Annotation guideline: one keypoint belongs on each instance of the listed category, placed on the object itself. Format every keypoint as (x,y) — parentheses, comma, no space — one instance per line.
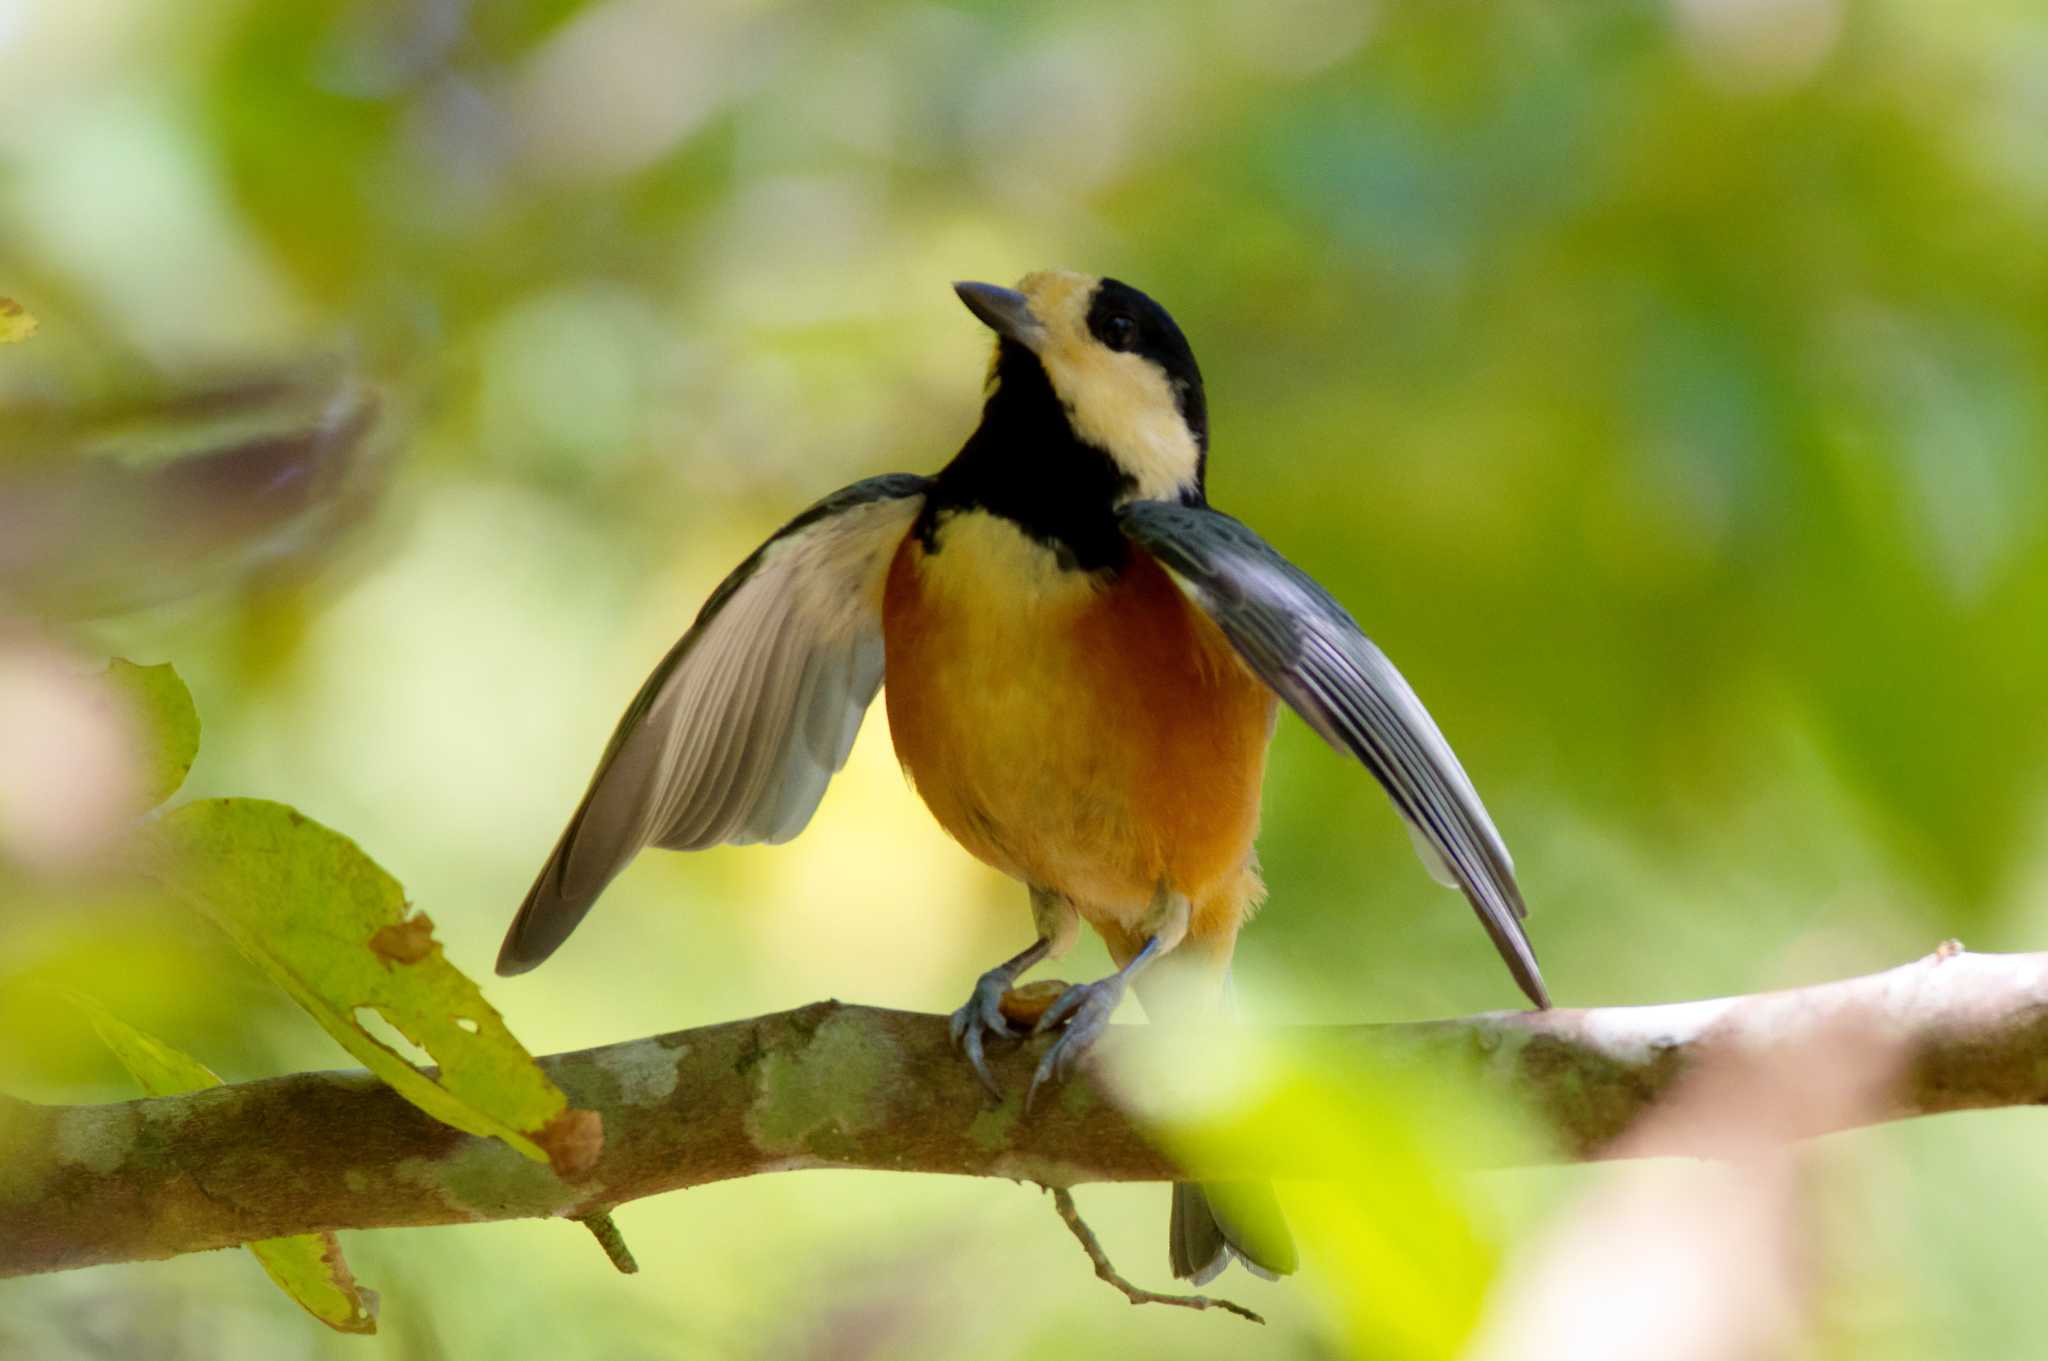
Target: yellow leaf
(333,929)
(15,322)
(309,1266)
(159,1068)
(311,1270)
(168,721)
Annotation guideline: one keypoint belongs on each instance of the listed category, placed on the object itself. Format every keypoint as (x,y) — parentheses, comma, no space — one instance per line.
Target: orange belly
(1097,739)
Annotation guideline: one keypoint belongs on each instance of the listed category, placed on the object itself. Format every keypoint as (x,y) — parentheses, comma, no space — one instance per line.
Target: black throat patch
(1024,463)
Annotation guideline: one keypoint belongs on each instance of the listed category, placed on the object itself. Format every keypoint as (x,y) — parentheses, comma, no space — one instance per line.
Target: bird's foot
(1086,1009)
(982,1017)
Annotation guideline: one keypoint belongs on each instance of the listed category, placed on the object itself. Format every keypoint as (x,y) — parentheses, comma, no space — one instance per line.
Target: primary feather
(736,734)
(1300,641)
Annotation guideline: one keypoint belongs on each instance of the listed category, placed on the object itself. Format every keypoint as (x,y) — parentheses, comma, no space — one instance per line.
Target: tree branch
(833,1085)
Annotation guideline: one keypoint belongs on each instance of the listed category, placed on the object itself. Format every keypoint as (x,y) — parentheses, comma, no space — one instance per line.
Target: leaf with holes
(332,928)
(308,1267)
(168,725)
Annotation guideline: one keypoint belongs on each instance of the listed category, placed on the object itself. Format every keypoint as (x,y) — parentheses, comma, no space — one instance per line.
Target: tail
(1216,1221)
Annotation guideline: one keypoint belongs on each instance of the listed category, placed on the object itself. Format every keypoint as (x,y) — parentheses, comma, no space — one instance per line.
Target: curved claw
(982,1015)
(1090,1006)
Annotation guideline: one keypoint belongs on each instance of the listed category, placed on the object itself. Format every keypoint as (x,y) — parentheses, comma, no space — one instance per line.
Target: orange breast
(1100,740)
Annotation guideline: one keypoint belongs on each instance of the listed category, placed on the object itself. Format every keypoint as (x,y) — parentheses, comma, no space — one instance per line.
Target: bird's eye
(1119,333)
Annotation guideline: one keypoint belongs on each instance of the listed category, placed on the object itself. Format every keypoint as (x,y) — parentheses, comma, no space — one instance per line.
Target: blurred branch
(832,1085)
(117,508)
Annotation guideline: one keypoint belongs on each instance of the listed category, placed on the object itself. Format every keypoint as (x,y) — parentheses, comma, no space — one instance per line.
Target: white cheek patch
(1120,403)
(1124,404)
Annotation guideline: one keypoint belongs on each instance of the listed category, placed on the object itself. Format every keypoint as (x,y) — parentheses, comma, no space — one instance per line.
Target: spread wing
(735,735)
(1301,642)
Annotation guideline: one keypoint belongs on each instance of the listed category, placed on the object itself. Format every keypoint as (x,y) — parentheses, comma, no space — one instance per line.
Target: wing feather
(1302,643)
(735,736)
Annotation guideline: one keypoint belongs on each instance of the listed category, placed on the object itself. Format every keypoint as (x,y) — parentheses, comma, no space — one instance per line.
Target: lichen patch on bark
(91,1139)
(646,1077)
(836,1086)
(485,1180)
(993,1127)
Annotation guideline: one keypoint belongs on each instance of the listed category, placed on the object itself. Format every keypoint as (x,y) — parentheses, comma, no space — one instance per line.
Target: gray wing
(1301,642)
(737,732)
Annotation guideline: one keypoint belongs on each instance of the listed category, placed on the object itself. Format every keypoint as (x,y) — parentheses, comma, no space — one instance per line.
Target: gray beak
(1003,310)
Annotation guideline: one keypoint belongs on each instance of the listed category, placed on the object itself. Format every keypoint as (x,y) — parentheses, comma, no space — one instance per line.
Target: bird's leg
(1086,1007)
(983,1013)
(1058,923)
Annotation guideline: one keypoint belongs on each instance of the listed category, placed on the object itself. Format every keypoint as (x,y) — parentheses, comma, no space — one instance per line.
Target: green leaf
(1393,1228)
(310,1269)
(309,1266)
(331,927)
(161,1069)
(169,722)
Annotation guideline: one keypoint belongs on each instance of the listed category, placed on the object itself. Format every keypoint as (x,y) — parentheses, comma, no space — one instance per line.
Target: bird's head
(1118,366)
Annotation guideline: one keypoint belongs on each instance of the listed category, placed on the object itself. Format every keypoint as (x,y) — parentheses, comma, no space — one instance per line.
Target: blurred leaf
(1392,1230)
(169,722)
(304,132)
(308,1267)
(331,927)
(16,322)
(1648,1261)
(118,941)
(161,1069)
(71,777)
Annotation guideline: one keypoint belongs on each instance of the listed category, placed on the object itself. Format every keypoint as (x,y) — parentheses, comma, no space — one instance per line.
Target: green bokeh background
(1661,384)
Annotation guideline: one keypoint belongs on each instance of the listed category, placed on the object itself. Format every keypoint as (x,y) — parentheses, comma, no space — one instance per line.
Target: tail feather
(1214,1222)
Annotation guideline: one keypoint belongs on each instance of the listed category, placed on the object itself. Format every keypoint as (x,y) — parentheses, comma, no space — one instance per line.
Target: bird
(1082,662)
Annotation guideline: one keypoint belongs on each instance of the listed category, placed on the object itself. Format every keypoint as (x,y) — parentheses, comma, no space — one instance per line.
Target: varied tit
(1082,660)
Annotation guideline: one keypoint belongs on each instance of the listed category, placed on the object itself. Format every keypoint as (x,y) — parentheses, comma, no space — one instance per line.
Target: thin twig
(1063,1201)
(599,1222)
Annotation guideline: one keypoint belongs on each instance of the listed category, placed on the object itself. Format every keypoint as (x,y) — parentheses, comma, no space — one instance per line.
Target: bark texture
(834,1085)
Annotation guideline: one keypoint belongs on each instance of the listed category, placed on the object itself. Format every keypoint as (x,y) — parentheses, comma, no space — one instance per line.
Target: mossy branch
(833,1085)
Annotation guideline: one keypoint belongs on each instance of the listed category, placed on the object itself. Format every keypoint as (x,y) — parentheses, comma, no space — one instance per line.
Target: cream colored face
(1120,402)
